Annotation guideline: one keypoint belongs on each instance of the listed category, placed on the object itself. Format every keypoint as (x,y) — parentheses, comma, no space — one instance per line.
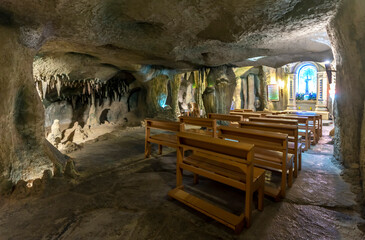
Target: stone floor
(121,195)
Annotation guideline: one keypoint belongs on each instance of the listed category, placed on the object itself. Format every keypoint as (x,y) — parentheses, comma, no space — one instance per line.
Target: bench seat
(271,156)
(199,131)
(291,145)
(168,139)
(269,148)
(162,139)
(221,168)
(227,162)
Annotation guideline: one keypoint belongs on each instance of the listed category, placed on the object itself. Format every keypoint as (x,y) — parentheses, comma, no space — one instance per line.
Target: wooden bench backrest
(246,115)
(274,120)
(278,112)
(242,110)
(267,112)
(290,130)
(225,117)
(202,122)
(235,151)
(301,120)
(309,116)
(163,125)
(263,139)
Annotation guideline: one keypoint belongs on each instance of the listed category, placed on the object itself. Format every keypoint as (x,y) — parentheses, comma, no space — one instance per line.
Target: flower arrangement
(302,96)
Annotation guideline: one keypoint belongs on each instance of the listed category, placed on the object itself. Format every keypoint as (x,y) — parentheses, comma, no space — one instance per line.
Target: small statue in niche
(257,103)
(194,109)
(183,107)
(55,136)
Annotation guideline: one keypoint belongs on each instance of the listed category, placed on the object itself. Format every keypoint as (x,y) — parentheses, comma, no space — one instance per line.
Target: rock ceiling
(177,34)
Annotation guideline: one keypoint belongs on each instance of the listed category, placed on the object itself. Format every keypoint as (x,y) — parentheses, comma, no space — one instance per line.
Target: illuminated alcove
(306,82)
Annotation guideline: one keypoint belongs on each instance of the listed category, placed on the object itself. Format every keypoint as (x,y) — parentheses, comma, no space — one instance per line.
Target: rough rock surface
(218,95)
(24,153)
(180,34)
(349,45)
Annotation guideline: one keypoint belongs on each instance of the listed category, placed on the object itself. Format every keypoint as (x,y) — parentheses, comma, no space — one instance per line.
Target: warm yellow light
(281,84)
(332,91)
(272,80)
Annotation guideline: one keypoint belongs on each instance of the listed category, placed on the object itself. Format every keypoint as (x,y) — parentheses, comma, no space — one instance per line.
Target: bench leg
(159,149)
(147,149)
(307,142)
(283,184)
(260,195)
(196,178)
(248,208)
(300,161)
(290,178)
(296,164)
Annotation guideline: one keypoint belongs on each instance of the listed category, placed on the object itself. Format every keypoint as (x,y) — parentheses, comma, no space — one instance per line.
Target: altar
(308,88)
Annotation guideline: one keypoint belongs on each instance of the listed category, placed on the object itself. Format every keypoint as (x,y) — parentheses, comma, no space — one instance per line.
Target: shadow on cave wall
(104,116)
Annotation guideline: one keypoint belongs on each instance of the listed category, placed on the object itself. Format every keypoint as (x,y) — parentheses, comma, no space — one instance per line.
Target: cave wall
(218,95)
(347,33)
(274,76)
(186,92)
(263,76)
(24,153)
(114,110)
(162,93)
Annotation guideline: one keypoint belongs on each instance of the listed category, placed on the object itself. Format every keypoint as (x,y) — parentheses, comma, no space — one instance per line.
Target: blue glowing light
(161,99)
(307,80)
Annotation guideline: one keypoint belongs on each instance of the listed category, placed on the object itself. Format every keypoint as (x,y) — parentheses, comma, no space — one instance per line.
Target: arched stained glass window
(307,82)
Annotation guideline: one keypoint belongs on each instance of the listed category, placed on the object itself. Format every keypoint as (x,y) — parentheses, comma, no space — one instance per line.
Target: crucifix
(306,84)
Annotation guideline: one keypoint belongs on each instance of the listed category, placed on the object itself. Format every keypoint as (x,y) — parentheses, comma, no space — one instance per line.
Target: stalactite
(44,89)
(58,86)
(113,89)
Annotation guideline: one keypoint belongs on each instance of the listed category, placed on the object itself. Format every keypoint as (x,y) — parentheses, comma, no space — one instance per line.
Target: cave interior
(85,84)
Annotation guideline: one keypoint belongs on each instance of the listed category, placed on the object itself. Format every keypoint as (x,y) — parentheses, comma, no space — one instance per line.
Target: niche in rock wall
(186,92)
(104,116)
(132,100)
(157,94)
(169,94)
(251,92)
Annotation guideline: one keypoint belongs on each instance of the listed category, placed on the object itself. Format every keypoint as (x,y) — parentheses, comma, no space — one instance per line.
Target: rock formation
(349,45)
(115,59)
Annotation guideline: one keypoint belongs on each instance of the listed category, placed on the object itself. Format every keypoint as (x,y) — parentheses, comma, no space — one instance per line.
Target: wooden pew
(271,152)
(232,119)
(317,121)
(285,126)
(162,139)
(230,163)
(303,124)
(209,124)
(245,116)
(274,120)
(242,110)
(263,113)
(278,112)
